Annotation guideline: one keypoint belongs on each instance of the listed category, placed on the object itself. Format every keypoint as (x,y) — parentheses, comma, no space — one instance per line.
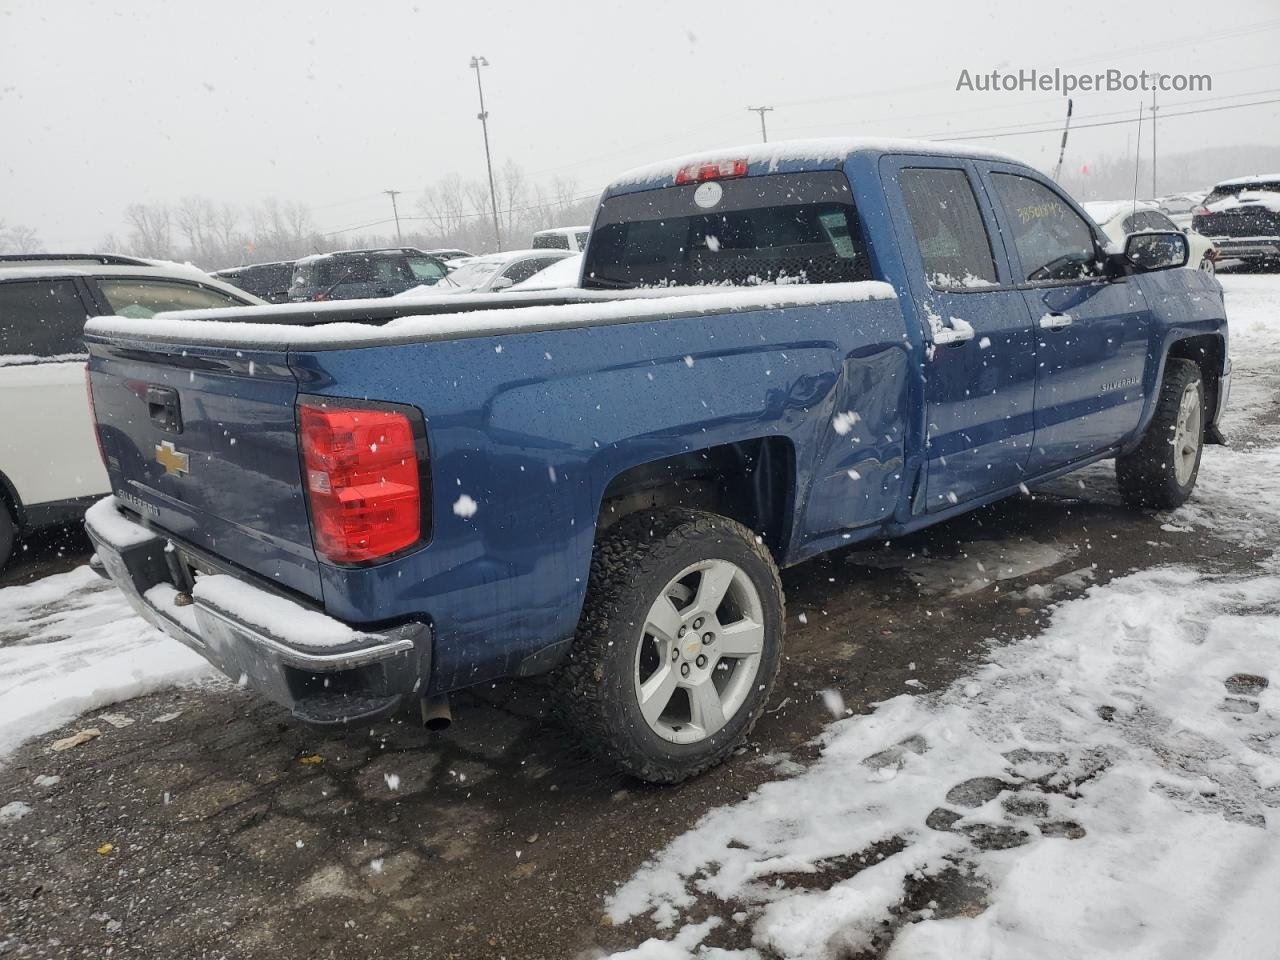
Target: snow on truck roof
(510,314)
(822,151)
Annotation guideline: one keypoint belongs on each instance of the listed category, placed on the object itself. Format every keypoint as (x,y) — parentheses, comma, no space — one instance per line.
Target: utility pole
(764,134)
(1154,192)
(483,117)
(395,210)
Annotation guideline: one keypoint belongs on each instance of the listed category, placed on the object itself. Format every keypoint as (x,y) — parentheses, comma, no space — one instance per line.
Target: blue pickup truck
(775,351)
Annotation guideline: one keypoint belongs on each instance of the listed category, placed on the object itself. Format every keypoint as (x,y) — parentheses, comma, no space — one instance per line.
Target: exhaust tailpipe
(436,714)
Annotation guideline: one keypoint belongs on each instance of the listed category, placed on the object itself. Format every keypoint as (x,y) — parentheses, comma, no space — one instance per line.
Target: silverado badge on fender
(175,462)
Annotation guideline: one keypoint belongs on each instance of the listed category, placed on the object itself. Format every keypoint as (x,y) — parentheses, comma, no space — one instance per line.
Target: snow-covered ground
(70,643)
(1114,780)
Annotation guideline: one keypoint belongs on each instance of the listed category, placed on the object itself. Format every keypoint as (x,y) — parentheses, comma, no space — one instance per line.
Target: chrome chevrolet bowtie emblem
(175,462)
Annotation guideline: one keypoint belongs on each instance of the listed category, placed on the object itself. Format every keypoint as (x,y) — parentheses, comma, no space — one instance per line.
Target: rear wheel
(678,645)
(1207,265)
(8,534)
(1162,471)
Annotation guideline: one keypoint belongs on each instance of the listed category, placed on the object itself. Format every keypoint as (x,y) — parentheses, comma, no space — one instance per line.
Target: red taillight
(1200,212)
(363,479)
(715,170)
(93,414)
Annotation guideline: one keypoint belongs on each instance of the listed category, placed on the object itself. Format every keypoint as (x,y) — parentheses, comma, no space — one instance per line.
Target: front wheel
(678,644)
(1162,471)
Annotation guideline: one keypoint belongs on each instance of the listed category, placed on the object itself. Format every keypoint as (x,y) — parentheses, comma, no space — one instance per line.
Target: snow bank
(71,643)
(198,326)
(1116,720)
(822,151)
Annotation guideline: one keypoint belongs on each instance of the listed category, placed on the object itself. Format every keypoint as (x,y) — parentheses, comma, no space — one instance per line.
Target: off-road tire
(8,534)
(1147,476)
(631,564)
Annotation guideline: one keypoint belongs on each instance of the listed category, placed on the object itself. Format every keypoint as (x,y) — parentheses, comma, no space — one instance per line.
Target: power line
(1105,123)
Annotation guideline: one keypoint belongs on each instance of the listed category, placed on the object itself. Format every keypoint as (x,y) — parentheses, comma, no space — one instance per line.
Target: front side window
(142,299)
(40,318)
(1053,242)
(782,228)
(954,244)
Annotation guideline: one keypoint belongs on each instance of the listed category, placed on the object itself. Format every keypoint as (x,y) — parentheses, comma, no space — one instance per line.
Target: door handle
(1055,321)
(958,332)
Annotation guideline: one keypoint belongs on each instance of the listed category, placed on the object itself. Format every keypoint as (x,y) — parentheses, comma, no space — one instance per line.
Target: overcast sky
(104,104)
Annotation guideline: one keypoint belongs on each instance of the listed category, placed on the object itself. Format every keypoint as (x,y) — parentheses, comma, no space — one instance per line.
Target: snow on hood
(822,151)
(1104,210)
(561,274)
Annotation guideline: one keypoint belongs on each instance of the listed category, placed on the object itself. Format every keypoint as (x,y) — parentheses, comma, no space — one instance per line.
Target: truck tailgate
(202,443)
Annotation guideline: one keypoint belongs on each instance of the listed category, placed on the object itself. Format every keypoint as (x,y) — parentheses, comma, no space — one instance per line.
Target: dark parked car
(1242,218)
(270,281)
(360,274)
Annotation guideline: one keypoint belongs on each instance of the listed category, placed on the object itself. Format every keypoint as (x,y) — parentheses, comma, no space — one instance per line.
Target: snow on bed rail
(201,326)
(822,150)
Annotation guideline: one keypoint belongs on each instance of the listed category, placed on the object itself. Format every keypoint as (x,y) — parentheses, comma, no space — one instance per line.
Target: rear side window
(551,241)
(427,268)
(1054,243)
(954,243)
(1150,220)
(393,268)
(41,318)
(142,299)
(784,228)
(524,269)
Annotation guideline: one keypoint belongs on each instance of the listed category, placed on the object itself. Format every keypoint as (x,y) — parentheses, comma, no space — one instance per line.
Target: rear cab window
(41,320)
(550,241)
(779,228)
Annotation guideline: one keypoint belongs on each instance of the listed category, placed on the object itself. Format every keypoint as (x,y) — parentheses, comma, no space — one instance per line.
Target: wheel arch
(1208,352)
(751,481)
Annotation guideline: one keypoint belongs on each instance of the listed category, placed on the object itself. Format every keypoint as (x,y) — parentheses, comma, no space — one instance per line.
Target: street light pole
(395,210)
(764,134)
(483,117)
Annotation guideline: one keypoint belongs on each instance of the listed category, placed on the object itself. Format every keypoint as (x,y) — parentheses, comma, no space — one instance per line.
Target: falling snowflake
(465,507)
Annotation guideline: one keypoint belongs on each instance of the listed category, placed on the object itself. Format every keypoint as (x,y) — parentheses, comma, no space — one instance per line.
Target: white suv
(50,469)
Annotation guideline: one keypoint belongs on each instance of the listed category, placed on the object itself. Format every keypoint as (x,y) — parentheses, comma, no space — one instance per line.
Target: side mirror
(502,283)
(1157,250)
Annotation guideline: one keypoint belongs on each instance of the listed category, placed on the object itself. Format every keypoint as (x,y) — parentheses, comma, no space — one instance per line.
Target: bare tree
(150,229)
(17,238)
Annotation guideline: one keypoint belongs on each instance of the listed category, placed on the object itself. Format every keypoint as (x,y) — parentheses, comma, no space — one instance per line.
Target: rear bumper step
(345,677)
